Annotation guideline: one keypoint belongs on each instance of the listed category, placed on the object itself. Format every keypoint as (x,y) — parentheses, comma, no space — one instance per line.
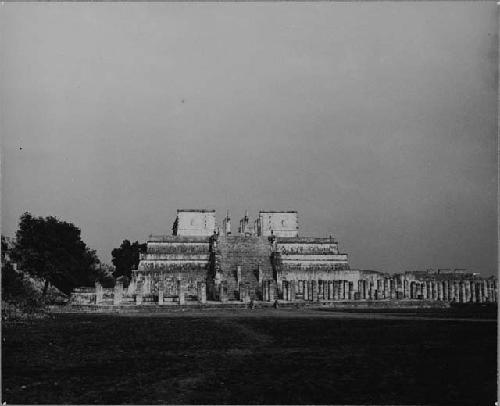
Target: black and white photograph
(249,202)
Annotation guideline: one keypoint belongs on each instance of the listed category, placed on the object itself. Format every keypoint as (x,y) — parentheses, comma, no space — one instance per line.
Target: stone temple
(267,260)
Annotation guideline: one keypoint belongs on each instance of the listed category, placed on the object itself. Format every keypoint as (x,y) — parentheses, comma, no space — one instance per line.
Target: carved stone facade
(269,261)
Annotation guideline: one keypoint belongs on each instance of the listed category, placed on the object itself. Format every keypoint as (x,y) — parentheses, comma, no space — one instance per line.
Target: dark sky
(376,121)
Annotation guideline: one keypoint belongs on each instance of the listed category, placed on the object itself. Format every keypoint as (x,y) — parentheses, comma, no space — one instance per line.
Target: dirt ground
(266,356)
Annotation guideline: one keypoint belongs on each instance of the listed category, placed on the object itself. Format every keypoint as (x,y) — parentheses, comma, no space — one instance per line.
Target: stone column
(473,291)
(463,294)
(392,288)
(370,290)
(118,293)
(424,290)
(238,273)
(456,285)
(271,291)
(346,290)
(293,290)
(467,291)
(161,289)
(202,292)
(484,291)
(406,288)
(99,293)
(445,290)
(314,285)
(138,292)
(451,285)
(180,292)
(360,289)
(439,290)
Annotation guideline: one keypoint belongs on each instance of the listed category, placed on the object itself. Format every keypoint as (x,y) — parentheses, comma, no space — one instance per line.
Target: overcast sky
(376,121)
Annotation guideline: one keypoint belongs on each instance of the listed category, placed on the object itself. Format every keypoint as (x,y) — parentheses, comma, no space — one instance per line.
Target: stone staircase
(248,253)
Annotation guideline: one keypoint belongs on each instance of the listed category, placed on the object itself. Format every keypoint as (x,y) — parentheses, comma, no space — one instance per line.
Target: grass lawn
(260,357)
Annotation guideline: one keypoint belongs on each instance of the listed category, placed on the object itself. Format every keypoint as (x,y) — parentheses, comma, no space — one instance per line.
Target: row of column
(463,291)
(201,292)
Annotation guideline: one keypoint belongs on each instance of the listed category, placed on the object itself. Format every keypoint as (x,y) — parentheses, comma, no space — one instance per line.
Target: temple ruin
(267,260)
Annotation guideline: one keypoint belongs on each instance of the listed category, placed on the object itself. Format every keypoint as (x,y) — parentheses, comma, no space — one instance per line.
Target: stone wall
(243,260)
(195,223)
(281,223)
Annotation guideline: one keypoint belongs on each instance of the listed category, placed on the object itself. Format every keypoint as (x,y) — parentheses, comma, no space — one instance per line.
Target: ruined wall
(171,265)
(243,260)
(281,223)
(310,253)
(195,223)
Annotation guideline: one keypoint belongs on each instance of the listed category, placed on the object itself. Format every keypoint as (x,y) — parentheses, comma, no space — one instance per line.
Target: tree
(126,258)
(52,250)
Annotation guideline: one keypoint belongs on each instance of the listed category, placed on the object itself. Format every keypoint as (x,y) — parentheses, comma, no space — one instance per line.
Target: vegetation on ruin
(126,258)
(47,252)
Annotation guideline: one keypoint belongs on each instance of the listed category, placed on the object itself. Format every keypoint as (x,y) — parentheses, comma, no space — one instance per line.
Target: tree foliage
(52,250)
(126,258)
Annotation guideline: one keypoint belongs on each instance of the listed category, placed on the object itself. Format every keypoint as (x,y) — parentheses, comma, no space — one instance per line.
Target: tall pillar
(161,292)
(351,290)
(238,273)
(293,290)
(473,292)
(371,293)
(138,292)
(424,290)
(180,291)
(406,288)
(202,292)
(314,286)
(439,290)
(118,293)
(467,291)
(480,292)
(462,292)
(335,290)
(456,284)
(392,288)
(99,293)
(483,291)
(346,290)
(451,286)
(309,290)
(445,290)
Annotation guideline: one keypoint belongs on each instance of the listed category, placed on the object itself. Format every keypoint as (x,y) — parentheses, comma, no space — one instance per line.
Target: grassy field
(259,357)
